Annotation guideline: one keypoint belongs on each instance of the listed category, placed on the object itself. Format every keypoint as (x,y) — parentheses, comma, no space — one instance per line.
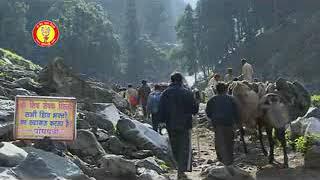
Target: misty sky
(192,2)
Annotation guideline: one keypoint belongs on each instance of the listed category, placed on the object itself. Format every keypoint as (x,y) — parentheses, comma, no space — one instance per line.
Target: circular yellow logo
(45,33)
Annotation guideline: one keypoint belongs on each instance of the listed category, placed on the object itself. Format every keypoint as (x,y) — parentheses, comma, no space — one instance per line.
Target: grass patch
(315,100)
(18,60)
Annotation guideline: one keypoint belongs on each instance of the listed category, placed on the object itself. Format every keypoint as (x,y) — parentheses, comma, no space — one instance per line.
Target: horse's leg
(243,141)
(271,143)
(281,135)
(261,140)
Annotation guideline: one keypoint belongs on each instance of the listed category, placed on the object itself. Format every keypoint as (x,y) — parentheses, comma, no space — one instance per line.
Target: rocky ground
(112,145)
(254,164)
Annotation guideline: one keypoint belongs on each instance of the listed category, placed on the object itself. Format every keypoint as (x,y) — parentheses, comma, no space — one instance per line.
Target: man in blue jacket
(177,105)
(222,110)
(153,106)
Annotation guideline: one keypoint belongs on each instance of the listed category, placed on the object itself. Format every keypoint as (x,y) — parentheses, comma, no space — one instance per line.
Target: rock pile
(109,144)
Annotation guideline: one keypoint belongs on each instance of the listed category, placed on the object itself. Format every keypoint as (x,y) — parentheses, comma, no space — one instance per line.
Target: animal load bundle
(275,113)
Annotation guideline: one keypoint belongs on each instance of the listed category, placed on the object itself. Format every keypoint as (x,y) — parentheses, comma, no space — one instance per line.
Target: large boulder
(98,120)
(115,166)
(144,138)
(11,155)
(225,173)
(312,158)
(27,83)
(109,110)
(116,146)
(34,168)
(62,167)
(86,145)
(307,125)
(20,91)
(57,78)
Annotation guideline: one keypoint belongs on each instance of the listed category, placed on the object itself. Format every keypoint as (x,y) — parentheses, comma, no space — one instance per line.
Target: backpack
(155,100)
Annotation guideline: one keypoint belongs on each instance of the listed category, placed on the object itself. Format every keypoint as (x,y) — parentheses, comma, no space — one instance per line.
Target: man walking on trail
(153,106)
(229,76)
(177,105)
(247,71)
(223,112)
(144,92)
(132,97)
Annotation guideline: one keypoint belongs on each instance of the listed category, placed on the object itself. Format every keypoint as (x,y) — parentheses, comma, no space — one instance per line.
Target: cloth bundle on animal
(275,111)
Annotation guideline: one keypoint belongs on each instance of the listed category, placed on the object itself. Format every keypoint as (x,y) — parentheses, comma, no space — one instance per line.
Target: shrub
(304,143)
(315,100)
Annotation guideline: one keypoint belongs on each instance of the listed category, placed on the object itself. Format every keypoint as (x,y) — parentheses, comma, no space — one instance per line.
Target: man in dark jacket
(223,112)
(143,94)
(177,105)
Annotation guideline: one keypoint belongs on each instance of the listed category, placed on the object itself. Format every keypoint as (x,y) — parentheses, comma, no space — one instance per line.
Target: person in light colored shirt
(229,76)
(247,71)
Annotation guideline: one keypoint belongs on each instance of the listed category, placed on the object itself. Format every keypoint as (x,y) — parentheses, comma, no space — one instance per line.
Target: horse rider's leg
(242,133)
(271,143)
(261,140)
(281,135)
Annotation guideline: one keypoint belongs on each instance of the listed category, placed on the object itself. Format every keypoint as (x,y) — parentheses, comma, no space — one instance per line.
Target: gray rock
(99,121)
(312,158)
(27,83)
(83,124)
(3,91)
(58,78)
(305,126)
(225,173)
(114,145)
(6,173)
(11,155)
(313,112)
(145,138)
(141,154)
(62,167)
(147,174)
(6,110)
(101,135)
(116,166)
(86,144)
(6,130)
(21,91)
(34,168)
(150,163)
(109,110)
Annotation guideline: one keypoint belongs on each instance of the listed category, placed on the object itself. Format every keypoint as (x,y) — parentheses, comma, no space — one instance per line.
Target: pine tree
(186,34)
(134,63)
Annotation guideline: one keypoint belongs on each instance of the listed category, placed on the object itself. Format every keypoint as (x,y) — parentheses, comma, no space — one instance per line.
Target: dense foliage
(278,37)
(108,39)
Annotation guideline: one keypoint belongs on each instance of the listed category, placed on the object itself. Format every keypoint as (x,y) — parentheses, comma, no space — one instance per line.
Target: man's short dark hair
(157,87)
(243,60)
(221,88)
(129,85)
(144,82)
(176,77)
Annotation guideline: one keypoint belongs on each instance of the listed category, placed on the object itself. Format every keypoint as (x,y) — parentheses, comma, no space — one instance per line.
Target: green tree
(13,34)
(186,34)
(134,62)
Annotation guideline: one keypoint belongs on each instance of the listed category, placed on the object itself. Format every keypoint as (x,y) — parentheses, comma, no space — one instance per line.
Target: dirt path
(255,162)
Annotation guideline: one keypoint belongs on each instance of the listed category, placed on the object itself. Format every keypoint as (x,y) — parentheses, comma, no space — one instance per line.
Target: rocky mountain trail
(113,144)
